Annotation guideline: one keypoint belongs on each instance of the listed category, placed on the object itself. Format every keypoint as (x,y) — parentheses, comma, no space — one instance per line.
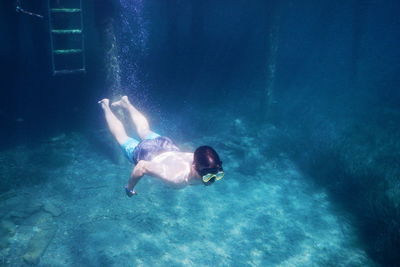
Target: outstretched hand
(130,193)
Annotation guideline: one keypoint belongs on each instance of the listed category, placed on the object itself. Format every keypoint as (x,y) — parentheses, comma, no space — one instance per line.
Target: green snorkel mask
(218,176)
(210,175)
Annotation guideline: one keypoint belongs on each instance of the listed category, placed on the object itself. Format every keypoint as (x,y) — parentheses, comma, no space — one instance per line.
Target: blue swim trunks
(148,148)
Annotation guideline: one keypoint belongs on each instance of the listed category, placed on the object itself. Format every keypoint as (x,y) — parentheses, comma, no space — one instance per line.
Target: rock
(7,195)
(239,127)
(21,212)
(52,209)
(38,219)
(38,244)
(3,241)
(58,138)
(7,227)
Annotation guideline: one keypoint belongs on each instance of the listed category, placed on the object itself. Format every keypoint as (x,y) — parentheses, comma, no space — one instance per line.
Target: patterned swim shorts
(148,148)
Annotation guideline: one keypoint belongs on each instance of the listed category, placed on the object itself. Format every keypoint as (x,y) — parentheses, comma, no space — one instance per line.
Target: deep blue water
(301,100)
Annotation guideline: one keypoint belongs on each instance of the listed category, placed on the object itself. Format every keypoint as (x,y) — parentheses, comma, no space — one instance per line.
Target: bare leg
(138,119)
(114,124)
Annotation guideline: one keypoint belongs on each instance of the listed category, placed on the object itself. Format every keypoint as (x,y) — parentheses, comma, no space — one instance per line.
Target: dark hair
(206,159)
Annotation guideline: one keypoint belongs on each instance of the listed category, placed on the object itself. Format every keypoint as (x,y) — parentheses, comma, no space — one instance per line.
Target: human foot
(123,102)
(104,103)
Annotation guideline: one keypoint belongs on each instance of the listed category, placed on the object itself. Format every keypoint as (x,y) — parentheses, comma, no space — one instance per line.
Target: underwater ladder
(66,38)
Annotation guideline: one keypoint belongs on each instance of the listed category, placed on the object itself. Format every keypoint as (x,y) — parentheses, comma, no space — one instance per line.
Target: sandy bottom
(266,216)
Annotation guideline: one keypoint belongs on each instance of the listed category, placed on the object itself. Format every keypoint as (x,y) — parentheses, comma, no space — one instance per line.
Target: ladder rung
(59,72)
(67,51)
(72,31)
(65,10)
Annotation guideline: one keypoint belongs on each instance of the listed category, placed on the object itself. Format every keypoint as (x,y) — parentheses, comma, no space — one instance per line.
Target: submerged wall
(338,101)
(38,105)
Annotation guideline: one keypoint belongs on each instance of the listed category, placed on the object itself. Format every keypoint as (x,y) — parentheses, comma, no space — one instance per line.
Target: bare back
(174,168)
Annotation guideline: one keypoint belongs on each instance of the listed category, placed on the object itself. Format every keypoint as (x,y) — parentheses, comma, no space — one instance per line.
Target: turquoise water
(269,215)
(299,98)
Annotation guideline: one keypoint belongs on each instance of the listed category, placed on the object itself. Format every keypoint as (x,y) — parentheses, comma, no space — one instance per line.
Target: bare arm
(136,174)
(142,167)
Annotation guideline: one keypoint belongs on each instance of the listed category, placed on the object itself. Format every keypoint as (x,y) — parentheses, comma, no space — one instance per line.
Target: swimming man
(157,155)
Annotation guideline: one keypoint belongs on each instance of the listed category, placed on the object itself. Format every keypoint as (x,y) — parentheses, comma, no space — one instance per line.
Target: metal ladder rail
(82,39)
(51,36)
(66,31)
